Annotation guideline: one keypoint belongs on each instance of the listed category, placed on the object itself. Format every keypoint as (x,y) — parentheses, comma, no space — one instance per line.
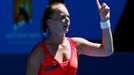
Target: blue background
(16,45)
(84,23)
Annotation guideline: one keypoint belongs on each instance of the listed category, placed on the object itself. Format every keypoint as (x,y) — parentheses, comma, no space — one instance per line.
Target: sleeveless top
(51,66)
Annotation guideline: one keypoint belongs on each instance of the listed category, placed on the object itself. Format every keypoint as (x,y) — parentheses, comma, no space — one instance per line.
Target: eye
(68,16)
(63,17)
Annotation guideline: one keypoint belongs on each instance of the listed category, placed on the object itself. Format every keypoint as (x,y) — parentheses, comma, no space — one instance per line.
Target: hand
(104,11)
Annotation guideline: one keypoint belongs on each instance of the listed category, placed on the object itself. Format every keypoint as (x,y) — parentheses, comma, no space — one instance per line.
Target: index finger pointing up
(98,4)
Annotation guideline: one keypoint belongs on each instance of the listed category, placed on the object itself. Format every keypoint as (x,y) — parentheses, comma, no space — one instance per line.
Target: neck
(56,39)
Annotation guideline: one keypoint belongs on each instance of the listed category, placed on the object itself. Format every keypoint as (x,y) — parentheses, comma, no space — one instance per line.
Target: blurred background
(20,31)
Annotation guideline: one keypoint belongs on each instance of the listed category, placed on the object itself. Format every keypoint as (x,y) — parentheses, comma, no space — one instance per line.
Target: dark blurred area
(51,1)
(117,64)
(123,35)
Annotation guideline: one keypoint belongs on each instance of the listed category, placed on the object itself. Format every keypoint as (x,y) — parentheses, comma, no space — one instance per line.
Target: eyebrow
(68,15)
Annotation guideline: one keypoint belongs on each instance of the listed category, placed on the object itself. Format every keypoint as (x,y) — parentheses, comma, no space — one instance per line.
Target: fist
(104,11)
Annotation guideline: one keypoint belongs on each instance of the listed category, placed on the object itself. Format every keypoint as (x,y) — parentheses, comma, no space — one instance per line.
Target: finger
(105,9)
(98,4)
(104,5)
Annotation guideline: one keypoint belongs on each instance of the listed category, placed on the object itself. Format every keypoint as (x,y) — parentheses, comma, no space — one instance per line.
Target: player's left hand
(104,11)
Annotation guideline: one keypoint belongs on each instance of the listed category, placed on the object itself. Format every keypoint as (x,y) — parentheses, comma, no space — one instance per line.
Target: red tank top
(51,66)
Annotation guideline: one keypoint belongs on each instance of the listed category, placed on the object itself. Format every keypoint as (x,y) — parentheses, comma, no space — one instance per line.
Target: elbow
(109,52)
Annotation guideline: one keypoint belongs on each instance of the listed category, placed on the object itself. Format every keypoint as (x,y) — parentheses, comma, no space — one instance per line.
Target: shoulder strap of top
(72,42)
(73,45)
(44,48)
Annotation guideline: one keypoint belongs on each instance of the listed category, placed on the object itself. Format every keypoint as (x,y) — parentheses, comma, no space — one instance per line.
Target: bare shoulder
(37,54)
(77,39)
(34,60)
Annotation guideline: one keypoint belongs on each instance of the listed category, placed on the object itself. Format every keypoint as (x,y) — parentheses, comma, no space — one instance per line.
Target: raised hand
(104,11)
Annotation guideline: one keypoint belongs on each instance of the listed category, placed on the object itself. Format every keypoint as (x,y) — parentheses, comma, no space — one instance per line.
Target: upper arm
(34,60)
(89,48)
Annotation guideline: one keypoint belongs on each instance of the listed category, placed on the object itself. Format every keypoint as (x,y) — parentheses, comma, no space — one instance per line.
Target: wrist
(105,24)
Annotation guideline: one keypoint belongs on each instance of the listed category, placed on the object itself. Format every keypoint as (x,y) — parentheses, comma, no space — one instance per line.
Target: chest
(60,53)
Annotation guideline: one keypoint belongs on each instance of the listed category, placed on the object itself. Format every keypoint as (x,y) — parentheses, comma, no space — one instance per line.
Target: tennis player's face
(60,19)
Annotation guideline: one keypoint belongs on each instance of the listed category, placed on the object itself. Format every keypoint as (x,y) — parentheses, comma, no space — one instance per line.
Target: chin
(66,31)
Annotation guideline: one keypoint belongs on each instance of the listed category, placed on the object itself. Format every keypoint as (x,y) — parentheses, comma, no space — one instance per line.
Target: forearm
(107,40)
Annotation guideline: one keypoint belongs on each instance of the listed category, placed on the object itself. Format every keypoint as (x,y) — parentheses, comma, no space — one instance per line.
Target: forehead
(60,9)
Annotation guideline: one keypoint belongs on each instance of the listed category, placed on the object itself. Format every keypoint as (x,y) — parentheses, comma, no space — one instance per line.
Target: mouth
(66,26)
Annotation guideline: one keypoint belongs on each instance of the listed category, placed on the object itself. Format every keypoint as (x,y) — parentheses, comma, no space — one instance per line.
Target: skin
(59,46)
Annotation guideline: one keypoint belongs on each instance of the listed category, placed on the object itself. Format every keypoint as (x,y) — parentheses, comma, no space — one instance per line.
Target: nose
(67,20)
